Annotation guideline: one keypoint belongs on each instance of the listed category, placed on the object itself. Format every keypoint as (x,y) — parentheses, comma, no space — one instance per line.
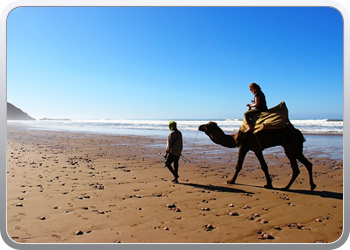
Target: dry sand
(65,187)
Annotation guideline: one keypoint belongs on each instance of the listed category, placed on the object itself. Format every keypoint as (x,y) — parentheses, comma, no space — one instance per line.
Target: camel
(290,138)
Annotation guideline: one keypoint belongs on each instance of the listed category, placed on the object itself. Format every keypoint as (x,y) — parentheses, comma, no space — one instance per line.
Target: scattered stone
(42,218)
(176,209)
(205,208)
(263,221)
(295,225)
(19,205)
(233,214)
(79,233)
(170,205)
(264,236)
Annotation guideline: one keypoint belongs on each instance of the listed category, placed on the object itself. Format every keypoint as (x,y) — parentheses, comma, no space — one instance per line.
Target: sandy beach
(65,187)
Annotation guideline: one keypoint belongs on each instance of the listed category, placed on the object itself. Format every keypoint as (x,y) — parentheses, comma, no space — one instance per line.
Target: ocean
(322,135)
(307,126)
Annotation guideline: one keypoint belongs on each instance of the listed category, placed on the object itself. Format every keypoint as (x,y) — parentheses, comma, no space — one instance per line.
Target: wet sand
(65,187)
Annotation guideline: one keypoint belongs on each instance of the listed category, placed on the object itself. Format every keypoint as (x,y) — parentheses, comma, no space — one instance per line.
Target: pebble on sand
(79,233)
(209,227)
(295,225)
(264,236)
(263,221)
(233,213)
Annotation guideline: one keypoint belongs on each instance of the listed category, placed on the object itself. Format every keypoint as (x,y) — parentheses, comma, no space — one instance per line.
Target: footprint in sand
(19,216)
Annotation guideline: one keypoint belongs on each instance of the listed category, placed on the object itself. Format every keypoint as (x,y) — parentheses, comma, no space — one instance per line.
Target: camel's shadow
(216,188)
(323,194)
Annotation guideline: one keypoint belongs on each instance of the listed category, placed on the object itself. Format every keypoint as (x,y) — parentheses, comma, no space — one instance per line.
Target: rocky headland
(14,113)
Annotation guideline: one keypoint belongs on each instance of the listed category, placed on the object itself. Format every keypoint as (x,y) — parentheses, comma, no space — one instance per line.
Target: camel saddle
(274,118)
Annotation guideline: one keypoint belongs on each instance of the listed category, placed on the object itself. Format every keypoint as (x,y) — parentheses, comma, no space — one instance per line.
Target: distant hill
(14,113)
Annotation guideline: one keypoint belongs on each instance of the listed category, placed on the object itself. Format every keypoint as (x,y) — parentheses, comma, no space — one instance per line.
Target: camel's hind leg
(293,161)
(308,166)
(264,168)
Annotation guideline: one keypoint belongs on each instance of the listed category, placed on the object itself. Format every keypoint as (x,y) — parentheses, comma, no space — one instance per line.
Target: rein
(183,157)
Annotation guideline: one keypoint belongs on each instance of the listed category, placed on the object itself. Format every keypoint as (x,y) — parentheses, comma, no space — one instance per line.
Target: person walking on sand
(173,150)
(259,104)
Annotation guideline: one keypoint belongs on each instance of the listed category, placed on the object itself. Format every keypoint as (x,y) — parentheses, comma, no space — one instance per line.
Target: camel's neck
(219,137)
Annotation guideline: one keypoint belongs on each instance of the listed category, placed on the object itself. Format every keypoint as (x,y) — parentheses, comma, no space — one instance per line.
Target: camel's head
(207,127)
(218,136)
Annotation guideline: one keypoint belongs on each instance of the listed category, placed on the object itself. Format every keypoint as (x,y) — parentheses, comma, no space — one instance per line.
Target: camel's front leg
(241,155)
(264,168)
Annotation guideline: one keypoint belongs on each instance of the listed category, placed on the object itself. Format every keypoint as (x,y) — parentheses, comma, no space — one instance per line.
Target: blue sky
(173,62)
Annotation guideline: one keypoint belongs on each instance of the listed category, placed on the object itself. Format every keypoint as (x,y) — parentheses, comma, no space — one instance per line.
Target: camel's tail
(300,134)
